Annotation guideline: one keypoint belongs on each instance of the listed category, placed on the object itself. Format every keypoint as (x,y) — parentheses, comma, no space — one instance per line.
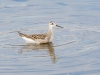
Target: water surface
(75,49)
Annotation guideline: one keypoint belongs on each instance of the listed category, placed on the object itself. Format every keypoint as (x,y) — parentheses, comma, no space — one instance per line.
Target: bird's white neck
(50,32)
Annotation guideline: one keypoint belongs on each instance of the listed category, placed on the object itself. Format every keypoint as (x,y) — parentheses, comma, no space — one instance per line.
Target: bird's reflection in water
(48,47)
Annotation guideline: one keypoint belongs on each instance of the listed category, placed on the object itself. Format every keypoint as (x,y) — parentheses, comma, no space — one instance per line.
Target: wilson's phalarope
(40,38)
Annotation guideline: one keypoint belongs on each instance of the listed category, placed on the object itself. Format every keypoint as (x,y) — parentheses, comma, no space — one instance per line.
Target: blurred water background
(75,49)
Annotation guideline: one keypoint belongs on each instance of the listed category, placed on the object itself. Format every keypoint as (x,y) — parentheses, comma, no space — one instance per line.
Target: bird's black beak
(59,26)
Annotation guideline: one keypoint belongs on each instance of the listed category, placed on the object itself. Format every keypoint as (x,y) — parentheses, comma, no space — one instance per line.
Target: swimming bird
(40,38)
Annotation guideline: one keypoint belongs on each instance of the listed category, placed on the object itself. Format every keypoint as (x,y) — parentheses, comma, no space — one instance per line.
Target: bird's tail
(20,34)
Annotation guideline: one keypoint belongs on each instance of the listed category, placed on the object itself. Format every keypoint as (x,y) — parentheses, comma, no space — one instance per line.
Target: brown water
(75,49)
